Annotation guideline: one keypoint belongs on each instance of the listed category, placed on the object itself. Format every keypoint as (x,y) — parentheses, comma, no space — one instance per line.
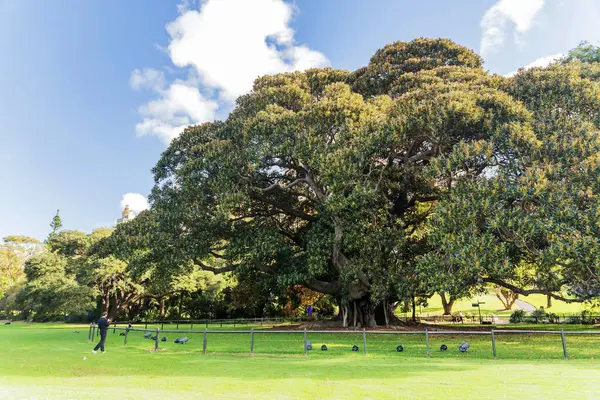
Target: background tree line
(372,189)
(77,275)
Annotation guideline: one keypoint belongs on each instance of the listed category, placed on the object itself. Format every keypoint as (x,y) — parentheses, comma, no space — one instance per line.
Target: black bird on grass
(443,347)
(463,348)
(324,347)
(399,348)
(355,348)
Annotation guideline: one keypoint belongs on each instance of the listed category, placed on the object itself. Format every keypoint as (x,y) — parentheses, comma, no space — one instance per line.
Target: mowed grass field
(492,305)
(52,362)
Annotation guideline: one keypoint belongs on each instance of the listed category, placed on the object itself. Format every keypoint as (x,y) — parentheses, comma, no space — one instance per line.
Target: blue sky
(91,92)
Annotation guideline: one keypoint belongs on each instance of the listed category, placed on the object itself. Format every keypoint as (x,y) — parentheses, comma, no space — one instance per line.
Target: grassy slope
(558,307)
(48,362)
(494,306)
(491,306)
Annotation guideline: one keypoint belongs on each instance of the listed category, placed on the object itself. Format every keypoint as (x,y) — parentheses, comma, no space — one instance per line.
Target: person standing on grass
(103,325)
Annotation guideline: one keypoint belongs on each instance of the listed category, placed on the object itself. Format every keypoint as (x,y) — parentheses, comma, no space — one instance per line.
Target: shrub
(517,316)
(539,316)
(587,318)
(553,318)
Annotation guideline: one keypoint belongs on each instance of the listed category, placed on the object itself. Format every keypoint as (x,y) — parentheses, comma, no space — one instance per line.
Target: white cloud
(495,21)
(540,62)
(226,44)
(136,202)
(232,42)
(147,78)
(179,106)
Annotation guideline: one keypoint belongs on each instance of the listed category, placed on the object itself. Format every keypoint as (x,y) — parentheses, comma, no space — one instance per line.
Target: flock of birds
(148,335)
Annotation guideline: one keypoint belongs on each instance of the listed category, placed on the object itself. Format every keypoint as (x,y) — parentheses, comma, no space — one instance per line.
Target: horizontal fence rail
(206,322)
(484,319)
(426,333)
(349,331)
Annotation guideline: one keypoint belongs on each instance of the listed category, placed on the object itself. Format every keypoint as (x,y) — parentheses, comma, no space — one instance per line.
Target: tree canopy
(328,178)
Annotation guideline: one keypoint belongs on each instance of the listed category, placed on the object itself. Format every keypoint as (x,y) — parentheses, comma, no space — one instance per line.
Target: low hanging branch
(321,286)
(527,292)
(277,187)
(215,270)
(284,207)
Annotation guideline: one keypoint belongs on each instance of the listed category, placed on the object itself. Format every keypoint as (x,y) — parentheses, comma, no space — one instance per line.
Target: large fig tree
(327,178)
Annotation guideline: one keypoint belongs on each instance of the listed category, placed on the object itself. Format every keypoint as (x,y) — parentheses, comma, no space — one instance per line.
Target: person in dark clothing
(103,325)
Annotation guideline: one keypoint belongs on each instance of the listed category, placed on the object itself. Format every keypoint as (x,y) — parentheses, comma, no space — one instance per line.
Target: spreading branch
(278,187)
(322,287)
(527,292)
(285,208)
(215,270)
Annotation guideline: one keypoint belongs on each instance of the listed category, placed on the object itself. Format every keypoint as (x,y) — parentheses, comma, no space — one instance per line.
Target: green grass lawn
(558,307)
(494,306)
(50,361)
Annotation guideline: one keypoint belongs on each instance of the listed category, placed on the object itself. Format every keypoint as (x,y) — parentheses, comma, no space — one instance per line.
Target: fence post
(305,350)
(427,341)
(252,341)
(162,326)
(192,326)
(146,327)
(156,341)
(126,333)
(494,343)
(204,343)
(364,342)
(90,332)
(114,327)
(564,344)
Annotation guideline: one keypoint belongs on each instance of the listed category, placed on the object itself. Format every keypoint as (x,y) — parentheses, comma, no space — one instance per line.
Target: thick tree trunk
(345,315)
(447,304)
(362,314)
(548,301)
(385,312)
(162,308)
(115,308)
(107,301)
(180,301)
